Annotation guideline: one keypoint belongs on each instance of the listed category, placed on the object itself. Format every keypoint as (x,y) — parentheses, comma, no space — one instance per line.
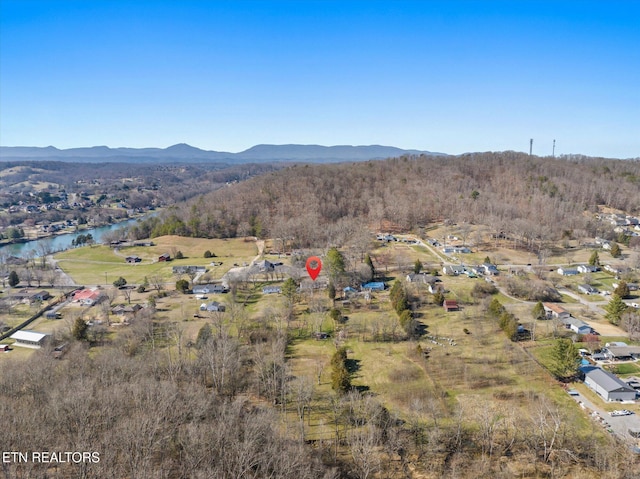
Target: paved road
(618,425)
(63,279)
(592,305)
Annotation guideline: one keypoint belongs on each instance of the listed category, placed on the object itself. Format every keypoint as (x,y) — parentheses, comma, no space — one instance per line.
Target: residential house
(133,259)
(87,297)
(386,237)
(587,289)
(587,268)
(436,288)
(490,269)
(607,385)
(41,296)
(450,305)
(266,266)
(567,271)
(126,312)
(576,325)
(188,269)
(555,311)
(29,339)
(213,306)
(622,353)
(616,269)
(453,270)
(164,257)
(421,278)
(209,289)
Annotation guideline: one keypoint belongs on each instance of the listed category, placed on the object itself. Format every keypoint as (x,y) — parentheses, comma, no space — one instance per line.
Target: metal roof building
(607,385)
(29,339)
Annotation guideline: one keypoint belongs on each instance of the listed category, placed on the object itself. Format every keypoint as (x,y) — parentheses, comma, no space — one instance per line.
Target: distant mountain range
(183,153)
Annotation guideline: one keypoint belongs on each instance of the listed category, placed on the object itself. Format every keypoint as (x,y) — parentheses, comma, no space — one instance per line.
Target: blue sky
(450,76)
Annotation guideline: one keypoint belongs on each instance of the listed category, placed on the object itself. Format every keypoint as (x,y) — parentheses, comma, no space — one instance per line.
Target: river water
(63,241)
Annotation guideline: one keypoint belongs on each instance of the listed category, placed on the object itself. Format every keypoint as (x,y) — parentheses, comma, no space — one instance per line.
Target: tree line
(513,194)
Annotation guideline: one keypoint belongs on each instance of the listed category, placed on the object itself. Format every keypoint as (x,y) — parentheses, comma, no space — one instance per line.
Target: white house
(453,270)
(587,268)
(490,269)
(576,325)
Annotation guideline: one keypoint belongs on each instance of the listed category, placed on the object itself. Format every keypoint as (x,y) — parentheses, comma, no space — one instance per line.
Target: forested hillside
(532,199)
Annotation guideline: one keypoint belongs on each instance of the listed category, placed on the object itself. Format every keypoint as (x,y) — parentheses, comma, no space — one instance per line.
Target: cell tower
(530,146)
(554,149)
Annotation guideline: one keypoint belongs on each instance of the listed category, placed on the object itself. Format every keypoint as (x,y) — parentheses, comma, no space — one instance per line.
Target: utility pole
(554,149)
(530,146)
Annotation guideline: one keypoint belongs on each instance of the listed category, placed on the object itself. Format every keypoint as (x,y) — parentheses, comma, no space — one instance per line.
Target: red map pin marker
(314,265)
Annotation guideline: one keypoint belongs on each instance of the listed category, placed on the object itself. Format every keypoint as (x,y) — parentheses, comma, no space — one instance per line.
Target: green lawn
(101,265)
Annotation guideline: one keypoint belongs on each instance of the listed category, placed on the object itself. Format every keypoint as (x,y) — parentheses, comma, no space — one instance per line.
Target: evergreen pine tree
(614,309)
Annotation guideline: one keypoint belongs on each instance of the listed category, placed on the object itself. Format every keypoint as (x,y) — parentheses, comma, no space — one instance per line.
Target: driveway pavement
(617,425)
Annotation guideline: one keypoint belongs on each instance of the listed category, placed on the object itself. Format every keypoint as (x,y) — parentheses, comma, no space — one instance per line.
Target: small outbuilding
(450,305)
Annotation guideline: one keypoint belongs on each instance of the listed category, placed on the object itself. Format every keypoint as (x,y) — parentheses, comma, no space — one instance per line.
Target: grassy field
(93,265)
(461,369)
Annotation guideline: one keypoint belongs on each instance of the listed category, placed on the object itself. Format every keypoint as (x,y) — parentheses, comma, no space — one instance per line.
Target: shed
(450,305)
(29,339)
(164,257)
(607,385)
(4,347)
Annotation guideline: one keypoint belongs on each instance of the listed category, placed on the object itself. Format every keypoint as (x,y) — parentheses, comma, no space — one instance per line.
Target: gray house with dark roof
(576,325)
(607,385)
